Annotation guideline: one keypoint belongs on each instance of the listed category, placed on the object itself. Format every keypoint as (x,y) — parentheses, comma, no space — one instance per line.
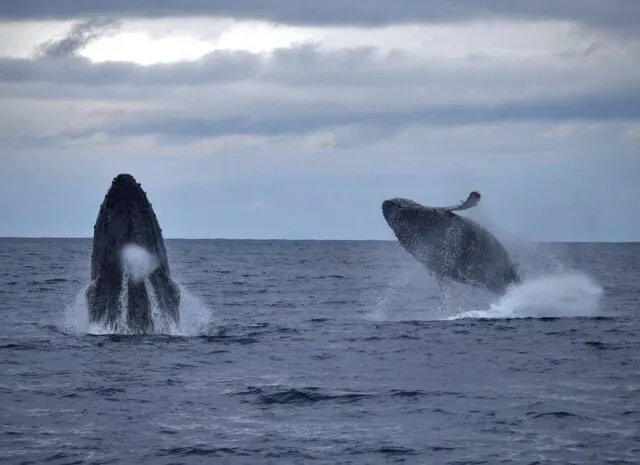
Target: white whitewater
(559,294)
(564,294)
(138,264)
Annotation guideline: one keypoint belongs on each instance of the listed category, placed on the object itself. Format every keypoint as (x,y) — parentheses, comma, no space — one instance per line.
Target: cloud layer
(621,15)
(307,88)
(535,104)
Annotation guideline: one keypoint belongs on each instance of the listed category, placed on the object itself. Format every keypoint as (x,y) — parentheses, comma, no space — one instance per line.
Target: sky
(272,119)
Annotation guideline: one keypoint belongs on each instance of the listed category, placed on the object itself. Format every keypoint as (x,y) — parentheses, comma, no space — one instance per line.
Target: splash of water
(138,264)
(195,317)
(558,294)
(568,294)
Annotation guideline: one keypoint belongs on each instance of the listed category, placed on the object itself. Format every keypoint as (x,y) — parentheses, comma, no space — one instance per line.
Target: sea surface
(325,352)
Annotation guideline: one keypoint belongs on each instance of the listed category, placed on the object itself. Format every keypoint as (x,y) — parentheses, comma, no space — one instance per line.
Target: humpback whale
(117,296)
(449,245)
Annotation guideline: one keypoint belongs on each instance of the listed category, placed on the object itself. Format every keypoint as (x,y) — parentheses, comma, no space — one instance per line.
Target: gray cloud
(307,65)
(622,15)
(619,105)
(303,89)
(217,67)
(349,126)
(81,35)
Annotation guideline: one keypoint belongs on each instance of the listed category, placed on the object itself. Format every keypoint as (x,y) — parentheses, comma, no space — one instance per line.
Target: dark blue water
(325,352)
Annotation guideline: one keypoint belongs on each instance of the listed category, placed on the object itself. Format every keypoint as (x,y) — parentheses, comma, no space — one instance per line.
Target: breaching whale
(119,296)
(449,245)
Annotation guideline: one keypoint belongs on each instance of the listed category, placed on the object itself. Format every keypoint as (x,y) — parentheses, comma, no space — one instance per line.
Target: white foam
(565,294)
(76,316)
(195,317)
(558,294)
(138,264)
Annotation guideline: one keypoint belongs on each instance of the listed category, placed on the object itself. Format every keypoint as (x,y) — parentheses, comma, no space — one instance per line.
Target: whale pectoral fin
(90,291)
(167,293)
(100,304)
(102,296)
(95,304)
(472,201)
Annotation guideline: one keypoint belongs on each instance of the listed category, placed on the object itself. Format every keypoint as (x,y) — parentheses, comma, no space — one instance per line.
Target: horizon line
(560,241)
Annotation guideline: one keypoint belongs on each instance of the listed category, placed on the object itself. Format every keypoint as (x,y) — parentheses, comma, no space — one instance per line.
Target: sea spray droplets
(123,303)
(138,264)
(76,315)
(560,294)
(161,322)
(555,295)
(569,294)
(195,317)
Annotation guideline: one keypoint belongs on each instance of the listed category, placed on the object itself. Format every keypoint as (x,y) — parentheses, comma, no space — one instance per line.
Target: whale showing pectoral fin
(97,307)
(472,201)
(102,300)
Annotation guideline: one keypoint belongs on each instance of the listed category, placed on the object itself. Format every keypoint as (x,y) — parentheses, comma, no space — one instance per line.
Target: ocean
(325,352)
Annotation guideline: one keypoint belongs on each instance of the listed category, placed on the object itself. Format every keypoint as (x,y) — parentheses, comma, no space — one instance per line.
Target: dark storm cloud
(81,35)
(611,14)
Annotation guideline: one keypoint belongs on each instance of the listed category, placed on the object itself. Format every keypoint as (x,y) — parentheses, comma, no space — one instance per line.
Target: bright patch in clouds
(139,48)
(149,42)
(144,44)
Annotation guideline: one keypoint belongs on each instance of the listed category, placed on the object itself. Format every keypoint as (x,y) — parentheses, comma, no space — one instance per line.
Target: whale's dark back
(450,245)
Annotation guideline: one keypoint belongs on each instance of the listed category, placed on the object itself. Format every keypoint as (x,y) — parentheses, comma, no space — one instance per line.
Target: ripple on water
(288,365)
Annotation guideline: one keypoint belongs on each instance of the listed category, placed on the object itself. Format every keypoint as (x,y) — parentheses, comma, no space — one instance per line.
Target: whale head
(125,217)
(391,207)
(402,214)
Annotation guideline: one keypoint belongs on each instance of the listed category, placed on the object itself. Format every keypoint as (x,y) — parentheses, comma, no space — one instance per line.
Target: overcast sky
(254,119)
